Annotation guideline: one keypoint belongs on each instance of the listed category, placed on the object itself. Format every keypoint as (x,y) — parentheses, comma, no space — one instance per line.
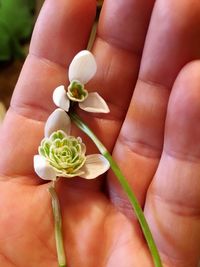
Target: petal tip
(43,169)
(60,98)
(95,166)
(58,120)
(83,67)
(94,103)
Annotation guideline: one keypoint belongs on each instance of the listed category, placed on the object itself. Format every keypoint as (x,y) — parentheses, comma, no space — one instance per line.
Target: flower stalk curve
(61,155)
(125,185)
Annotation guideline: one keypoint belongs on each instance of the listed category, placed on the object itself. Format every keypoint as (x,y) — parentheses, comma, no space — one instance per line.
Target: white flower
(63,155)
(82,68)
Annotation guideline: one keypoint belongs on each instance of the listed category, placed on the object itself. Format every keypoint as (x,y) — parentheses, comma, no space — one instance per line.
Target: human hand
(157,147)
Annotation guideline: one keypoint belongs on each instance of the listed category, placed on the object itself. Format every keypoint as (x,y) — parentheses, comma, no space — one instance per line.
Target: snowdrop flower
(82,68)
(63,155)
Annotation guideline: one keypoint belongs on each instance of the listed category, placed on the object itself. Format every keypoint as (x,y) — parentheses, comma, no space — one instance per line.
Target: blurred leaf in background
(99,3)
(16,23)
(2,112)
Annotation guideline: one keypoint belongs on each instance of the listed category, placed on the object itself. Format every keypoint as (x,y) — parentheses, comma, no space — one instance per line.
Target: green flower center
(76,91)
(65,153)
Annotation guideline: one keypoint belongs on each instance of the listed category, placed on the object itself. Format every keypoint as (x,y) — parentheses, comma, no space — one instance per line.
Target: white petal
(60,98)
(43,169)
(83,67)
(94,166)
(94,103)
(58,120)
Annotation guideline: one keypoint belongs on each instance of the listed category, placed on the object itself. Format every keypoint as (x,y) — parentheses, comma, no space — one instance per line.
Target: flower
(82,68)
(63,155)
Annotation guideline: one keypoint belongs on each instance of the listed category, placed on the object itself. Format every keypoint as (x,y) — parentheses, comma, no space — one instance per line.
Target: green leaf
(16,23)
(5,45)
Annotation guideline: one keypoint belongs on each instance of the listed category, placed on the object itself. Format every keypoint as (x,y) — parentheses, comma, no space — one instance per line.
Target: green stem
(58,227)
(125,185)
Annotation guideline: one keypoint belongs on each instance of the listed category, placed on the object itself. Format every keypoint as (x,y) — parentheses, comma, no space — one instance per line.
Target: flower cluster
(60,153)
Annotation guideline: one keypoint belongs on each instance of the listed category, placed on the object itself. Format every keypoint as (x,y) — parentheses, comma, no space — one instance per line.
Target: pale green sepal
(76,92)
(64,153)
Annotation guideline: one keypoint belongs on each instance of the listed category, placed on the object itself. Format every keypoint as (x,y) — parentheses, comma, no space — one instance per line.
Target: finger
(118,52)
(54,43)
(172,206)
(167,48)
(62,29)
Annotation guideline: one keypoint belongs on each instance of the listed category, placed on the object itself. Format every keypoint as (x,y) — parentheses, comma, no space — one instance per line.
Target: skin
(148,72)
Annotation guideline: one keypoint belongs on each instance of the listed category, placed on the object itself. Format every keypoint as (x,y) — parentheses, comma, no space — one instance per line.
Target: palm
(92,229)
(101,230)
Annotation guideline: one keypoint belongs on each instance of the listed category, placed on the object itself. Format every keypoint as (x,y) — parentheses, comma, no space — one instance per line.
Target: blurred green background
(17,18)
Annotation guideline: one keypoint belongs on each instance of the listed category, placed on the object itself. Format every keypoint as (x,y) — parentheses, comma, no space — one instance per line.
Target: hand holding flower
(163,169)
